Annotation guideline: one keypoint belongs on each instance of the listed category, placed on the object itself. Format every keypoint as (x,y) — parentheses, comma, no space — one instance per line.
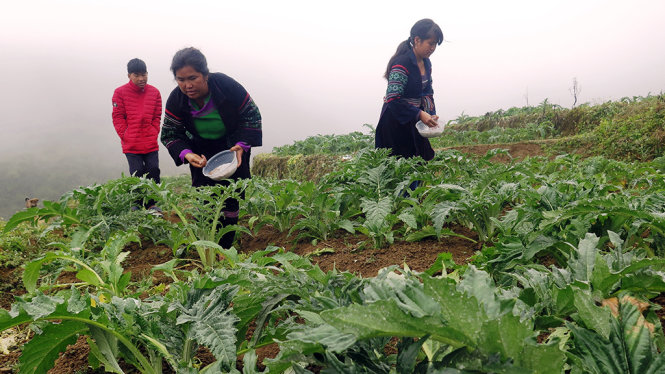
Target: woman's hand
(196,160)
(239,151)
(428,119)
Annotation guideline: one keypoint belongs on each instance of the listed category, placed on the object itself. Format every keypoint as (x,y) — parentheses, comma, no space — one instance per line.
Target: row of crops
(627,129)
(570,266)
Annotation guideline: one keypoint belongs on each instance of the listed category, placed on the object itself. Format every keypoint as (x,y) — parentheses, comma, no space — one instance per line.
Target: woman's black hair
(424,29)
(190,57)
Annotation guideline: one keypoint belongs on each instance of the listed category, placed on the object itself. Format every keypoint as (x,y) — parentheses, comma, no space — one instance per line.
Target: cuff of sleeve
(183,154)
(245,147)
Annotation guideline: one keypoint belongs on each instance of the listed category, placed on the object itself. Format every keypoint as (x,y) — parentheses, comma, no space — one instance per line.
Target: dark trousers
(144,165)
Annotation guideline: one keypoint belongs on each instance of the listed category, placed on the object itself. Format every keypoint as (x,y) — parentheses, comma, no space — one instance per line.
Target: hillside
(545,242)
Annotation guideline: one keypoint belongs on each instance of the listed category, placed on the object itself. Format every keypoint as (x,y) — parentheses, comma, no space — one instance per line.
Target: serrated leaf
(441,213)
(376,211)
(96,359)
(249,362)
(453,302)
(629,348)
(583,263)
(409,219)
(213,325)
(505,335)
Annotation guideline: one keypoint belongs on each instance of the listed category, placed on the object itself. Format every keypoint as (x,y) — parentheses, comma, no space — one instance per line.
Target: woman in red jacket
(137,113)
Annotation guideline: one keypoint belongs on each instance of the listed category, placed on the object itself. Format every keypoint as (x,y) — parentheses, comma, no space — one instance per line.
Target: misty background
(313,67)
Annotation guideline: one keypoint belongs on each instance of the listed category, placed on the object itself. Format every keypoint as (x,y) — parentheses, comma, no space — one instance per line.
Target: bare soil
(344,252)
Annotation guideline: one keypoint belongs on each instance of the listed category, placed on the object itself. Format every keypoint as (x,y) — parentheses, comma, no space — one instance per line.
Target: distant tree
(575,91)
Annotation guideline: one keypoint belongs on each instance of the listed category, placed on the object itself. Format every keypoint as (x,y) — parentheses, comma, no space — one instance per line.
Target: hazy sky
(315,67)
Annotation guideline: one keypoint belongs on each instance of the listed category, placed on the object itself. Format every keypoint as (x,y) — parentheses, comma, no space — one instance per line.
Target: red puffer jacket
(137,113)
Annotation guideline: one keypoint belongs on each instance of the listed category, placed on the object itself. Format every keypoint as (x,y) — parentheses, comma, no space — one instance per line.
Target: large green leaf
(585,259)
(326,335)
(406,291)
(542,358)
(629,349)
(31,274)
(478,284)
(40,353)
(505,335)
(595,318)
(458,310)
(386,318)
(598,355)
(31,214)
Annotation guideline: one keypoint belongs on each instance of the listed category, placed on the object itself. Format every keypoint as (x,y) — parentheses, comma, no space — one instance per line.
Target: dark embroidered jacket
(240,114)
(405,97)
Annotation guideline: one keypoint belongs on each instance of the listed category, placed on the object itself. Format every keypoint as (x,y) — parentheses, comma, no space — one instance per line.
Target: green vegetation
(628,129)
(600,220)
(571,261)
(328,144)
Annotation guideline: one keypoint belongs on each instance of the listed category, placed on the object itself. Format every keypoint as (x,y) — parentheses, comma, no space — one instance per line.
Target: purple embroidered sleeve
(245,147)
(184,153)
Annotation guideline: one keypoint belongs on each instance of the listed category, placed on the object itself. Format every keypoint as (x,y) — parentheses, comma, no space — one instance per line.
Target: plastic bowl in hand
(429,132)
(221,166)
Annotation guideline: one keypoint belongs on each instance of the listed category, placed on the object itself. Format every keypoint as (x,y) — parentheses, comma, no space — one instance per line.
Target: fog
(312,67)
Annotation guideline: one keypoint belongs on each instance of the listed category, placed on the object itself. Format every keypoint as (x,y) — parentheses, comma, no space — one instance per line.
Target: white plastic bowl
(221,166)
(430,132)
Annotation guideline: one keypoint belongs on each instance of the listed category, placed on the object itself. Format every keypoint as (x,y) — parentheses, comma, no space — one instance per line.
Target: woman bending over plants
(206,114)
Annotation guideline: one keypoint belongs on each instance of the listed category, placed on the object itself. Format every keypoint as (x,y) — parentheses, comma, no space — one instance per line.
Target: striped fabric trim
(172,115)
(250,117)
(428,104)
(413,101)
(397,80)
(400,67)
(244,102)
(169,129)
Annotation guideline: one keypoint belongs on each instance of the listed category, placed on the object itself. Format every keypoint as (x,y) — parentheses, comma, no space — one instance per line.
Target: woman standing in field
(206,114)
(409,96)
